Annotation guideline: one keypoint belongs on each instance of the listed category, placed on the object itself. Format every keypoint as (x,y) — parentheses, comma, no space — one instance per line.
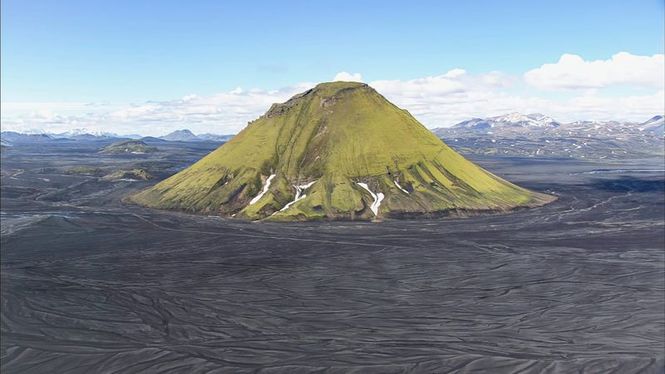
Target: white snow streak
(299,190)
(265,189)
(400,187)
(377,198)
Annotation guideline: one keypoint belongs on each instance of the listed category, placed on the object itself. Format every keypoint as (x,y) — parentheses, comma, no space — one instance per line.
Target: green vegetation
(128,146)
(135,174)
(335,135)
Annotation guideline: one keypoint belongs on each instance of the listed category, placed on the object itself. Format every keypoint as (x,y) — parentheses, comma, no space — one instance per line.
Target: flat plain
(91,284)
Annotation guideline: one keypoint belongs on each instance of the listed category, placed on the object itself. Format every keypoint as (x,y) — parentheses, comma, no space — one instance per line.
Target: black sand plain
(91,285)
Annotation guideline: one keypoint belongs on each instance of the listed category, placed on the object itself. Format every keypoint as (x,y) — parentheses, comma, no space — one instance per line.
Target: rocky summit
(337,151)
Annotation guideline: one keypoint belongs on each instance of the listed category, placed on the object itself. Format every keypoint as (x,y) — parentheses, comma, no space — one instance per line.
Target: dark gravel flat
(90,285)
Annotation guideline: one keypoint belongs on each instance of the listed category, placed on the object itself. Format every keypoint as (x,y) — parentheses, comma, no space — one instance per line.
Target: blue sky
(120,53)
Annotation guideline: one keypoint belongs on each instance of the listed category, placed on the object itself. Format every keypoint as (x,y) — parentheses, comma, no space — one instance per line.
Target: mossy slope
(336,135)
(128,146)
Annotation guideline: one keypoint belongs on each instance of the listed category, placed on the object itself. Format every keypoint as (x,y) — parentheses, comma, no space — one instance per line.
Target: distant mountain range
(13,137)
(535,134)
(516,123)
(511,121)
(85,134)
(514,134)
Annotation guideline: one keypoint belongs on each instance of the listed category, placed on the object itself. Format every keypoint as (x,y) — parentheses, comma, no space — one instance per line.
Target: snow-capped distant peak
(79,131)
(513,124)
(515,121)
(654,124)
(512,117)
(515,118)
(86,131)
(655,120)
(541,118)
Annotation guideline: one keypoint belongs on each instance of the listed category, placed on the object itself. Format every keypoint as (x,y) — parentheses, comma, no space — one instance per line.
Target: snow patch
(377,198)
(265,189)
(299,190)
(400,187)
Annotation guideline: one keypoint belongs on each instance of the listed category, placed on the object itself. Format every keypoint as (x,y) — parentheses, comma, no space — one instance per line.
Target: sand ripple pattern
(574,286)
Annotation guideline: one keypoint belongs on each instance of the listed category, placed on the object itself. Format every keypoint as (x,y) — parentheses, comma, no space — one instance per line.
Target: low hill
(131,175)
(128,147)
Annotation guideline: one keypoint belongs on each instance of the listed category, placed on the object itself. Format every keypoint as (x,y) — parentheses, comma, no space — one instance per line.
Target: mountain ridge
(93,135)
(535,121)
(578,139)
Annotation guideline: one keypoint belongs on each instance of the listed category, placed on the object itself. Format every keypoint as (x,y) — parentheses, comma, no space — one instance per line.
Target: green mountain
(337,151)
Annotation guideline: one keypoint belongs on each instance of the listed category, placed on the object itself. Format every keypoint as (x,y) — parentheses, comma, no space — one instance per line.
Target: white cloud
(438,100)
(445,84)
(223,113)
(635,107)
(444,101)
(454,73)
(573,72)
(348,77)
